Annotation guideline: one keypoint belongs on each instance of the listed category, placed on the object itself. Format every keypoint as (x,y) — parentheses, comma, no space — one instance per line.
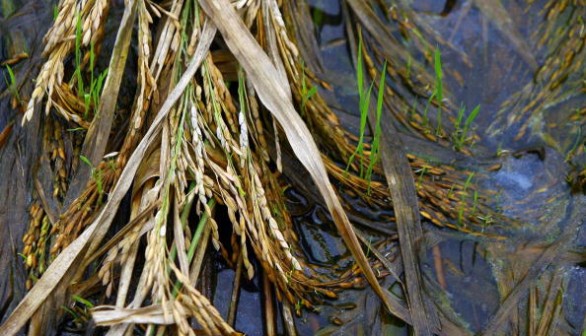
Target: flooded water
(529,128)
(491,57)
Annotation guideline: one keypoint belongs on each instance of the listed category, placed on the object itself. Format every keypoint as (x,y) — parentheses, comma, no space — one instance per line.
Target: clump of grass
(460,135)
(462,208)
(89,94)
(374,150)
(364,105)
(462,126)
(92,96)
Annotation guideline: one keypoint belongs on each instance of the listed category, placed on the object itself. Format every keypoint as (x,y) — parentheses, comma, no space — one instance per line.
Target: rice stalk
(211,148)
(59,44)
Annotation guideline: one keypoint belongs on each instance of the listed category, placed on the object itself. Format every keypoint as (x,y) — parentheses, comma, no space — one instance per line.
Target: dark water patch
(249,318)
(320,244)
(530,185)
(433,7)
(471,287)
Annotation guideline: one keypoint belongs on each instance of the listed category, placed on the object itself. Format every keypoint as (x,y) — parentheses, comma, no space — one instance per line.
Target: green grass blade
(471,117)
(363,105)
(86,161)
(374,151)
(78,74)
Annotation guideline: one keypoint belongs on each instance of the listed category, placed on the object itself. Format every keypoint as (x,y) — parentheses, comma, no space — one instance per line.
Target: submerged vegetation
(204,132)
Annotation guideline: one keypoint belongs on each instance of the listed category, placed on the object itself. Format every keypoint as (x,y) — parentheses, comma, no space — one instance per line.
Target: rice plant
(364,106)
(306,93)
(460,135)
(437,94)
(374,149)
(12,84)
(90,95)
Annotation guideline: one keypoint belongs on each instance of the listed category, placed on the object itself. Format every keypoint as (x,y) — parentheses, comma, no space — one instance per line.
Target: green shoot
(374,150)
(437,94)
(460,118)
(55,12)
(72,312)
(486,220)
(464,194)
(470,119)
(460,135)
(298,306)
(90,95)
(195,240)
(425,115)
(461,216)
(317,17)
(97,176)
(78,41)
(422,173)
(76,129)
(22,256)
(368,246)
(12,84)
(450,192)
(306,94)
(364,104)
(83,301)
(87,161)
(468,181)
(80,315)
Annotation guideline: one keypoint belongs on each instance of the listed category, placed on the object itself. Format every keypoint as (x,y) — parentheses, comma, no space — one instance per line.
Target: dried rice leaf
(404,195)
(112,315)
(263,76)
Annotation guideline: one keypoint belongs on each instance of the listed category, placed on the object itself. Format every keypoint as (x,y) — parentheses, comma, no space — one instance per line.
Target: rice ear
(263,76)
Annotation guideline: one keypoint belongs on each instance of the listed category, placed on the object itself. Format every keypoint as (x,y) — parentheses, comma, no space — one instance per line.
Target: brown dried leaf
(111,315)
